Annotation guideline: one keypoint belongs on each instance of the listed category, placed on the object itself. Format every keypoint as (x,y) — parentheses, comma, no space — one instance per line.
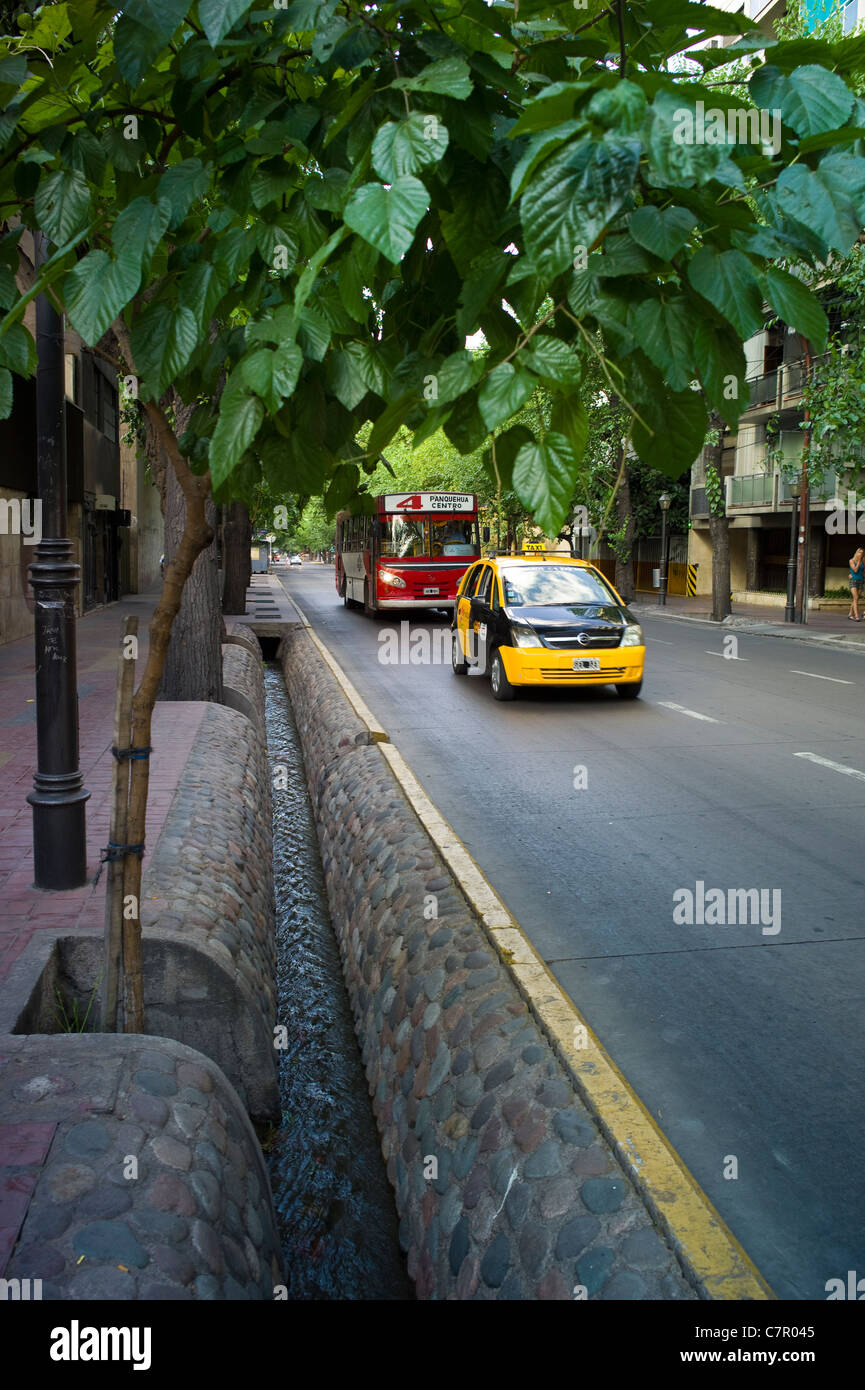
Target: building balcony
(751,490)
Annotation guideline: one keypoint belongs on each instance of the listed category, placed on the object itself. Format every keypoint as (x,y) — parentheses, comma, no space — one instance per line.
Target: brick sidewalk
(23,908)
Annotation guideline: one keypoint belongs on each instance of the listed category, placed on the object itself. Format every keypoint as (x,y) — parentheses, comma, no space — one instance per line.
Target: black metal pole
(790,608)
(58,797)
(662,593)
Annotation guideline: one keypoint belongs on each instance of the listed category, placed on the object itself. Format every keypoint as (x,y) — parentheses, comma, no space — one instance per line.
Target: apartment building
(115,521)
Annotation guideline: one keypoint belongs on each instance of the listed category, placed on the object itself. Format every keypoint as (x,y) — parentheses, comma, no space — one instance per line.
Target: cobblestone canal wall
(504,1186)
(136,1172)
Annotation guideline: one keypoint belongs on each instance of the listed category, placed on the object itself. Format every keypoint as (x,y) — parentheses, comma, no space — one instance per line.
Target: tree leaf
(404,147)
(720,363)
(575,193)
(5,393)
(163,340)
(727,280)
(139,228)
(677,421)
(18,350)
(161,17)
(97,288)
(136,49)
(181,185)
(811,99)
(663,328)
(818,201)
(544,478)
(797,306)
(356,371)
(387,217)
(240,418)
(458,373)
(219,16)
(552,360)
(201,288)
(449,77)
(272,374)
(62,204)
(663,231)
(504,391)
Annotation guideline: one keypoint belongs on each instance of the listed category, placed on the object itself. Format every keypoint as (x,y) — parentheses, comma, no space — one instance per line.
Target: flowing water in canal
(334,1203)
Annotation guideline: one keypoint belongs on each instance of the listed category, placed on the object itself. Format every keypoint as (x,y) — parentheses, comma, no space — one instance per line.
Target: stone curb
(504,1186)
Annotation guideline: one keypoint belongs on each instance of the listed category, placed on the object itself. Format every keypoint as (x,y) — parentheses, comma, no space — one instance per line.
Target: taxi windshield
(546,585)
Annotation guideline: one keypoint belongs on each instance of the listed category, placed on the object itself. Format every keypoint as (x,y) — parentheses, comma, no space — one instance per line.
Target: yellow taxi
(544,619)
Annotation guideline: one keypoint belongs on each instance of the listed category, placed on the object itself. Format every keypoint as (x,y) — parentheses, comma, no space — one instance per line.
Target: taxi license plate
(587,663)
(430,591)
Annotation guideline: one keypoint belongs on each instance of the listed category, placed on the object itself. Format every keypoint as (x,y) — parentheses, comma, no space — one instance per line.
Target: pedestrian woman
(857,579)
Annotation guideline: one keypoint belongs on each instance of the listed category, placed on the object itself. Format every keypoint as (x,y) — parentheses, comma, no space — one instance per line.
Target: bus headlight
(632,636)
(394,581)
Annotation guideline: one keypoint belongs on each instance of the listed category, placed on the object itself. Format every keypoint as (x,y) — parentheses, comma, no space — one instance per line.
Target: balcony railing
(822,493)
(751,490)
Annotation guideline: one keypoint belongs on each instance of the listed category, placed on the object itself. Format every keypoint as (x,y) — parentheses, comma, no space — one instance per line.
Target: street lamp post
(58,795)
(664,503)
(790,607)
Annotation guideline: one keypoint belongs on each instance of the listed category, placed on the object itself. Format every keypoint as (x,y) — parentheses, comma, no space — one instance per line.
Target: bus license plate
(587,663)
(430,591)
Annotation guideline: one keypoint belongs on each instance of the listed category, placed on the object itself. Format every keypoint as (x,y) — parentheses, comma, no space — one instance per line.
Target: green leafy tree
(286,223)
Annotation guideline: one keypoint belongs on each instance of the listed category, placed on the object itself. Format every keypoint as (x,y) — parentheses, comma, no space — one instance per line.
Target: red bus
(411,554)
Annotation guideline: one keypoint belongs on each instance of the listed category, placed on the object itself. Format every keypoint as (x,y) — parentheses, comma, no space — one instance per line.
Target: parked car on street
(545,619)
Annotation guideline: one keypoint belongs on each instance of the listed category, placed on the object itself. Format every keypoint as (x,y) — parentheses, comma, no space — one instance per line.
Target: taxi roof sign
(534,546)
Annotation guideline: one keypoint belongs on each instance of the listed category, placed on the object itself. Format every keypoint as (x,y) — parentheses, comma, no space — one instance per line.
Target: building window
(71,373)
(106,407)
(851,16)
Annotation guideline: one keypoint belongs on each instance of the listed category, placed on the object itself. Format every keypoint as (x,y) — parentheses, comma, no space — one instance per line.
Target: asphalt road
(744,1042)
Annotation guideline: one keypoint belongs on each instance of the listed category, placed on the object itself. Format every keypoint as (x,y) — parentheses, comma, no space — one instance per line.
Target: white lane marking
(661,640)
(814,676)
(726,657)
(827,762)
(692,713)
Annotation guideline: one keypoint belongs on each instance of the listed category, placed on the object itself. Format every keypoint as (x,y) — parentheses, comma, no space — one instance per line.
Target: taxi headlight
(525,636)
(632,636)
(395,581)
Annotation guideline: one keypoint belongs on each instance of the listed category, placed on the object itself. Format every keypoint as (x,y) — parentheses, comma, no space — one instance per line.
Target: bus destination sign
(429,502)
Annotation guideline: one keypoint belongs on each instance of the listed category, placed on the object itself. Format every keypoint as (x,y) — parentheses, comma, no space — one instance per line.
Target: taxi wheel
(501,686)
(460,667)
(631,691)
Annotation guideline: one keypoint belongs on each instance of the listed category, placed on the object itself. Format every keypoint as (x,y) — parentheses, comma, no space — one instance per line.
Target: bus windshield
(454,536)
(402,537)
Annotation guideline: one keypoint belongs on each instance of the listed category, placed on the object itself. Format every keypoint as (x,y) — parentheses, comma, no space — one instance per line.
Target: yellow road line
(709,1252)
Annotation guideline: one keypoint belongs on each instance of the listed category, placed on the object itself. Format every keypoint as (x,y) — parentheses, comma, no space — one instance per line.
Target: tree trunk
(625,568)
(236,563)
(719,530)
(193,666)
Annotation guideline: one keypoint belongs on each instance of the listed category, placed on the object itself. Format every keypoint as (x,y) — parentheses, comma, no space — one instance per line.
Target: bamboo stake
(119,800)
